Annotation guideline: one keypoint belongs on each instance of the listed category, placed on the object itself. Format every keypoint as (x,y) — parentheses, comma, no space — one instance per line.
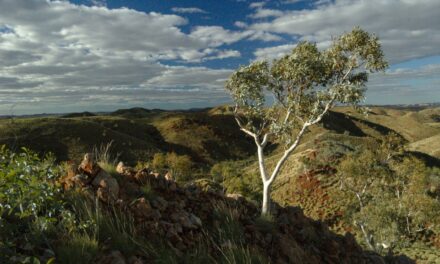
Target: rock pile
(182,216)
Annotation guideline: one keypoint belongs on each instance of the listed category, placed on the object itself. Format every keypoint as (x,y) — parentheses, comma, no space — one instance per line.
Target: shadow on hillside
(317,240)
(343,123)
(427,159)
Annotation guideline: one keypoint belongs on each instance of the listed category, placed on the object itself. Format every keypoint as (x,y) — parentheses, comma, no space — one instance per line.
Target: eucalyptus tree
(305,85)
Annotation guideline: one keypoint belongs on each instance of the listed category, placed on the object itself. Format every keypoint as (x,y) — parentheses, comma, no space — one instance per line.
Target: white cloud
(265,13)
(216,36)
(275,52)
(264,36)
(195,77)
(405,86)
(61,56)
(209,54)
(257,4)
(188,10)
(407,29)
(99,2)
(240,24)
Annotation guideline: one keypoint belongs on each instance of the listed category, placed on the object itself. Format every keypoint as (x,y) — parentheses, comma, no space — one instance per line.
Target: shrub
(29,201)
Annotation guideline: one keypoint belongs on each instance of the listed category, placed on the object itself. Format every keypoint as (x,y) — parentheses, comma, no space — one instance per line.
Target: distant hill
(136,112)
(136,133)
(207,135)
(83,114)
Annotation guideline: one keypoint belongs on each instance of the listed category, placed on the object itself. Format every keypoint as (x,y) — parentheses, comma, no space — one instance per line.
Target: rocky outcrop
(90,174)
(183,215)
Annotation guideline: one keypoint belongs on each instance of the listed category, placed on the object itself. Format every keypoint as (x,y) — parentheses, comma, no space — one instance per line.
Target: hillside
(309,180)
(206,135)
(136,134)
(139,216)
(211,137)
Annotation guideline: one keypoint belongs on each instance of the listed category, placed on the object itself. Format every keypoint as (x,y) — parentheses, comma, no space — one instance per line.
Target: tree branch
(288,152)
(265,139)
(242,127)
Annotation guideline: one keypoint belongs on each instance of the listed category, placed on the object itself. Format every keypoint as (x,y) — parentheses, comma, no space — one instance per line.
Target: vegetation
(350,185)
(29,203)
(389,196)
(180,167)
(305,85)
(399,211)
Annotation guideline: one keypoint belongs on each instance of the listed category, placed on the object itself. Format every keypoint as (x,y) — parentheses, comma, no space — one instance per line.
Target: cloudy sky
(101,55)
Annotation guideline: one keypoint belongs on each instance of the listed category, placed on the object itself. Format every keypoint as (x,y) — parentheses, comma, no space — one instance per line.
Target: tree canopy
(279,100)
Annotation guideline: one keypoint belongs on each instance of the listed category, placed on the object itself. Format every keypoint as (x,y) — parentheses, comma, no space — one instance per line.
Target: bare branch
(242,127)
(288,152)
(265,139)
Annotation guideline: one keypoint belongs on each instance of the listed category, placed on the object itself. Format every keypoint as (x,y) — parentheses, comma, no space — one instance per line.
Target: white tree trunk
(265,209)
(267,181)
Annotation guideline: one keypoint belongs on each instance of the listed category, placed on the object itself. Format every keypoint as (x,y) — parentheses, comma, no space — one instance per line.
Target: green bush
(29,202)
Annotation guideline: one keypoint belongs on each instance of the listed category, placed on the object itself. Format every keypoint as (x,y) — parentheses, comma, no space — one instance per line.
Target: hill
(128,215)
(314,186)
(136,134)
(212,139)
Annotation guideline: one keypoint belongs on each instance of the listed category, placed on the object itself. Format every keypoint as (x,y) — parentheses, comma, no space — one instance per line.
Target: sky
(102,55)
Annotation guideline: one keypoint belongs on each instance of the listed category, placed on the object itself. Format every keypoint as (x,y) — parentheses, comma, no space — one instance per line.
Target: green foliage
(180,166)
(265,223)
(389,195)
(228,237)
(226,170)
(304,83)
(229,229)
(241,255)
(111,227)
(29,200)
(159,161)
(235,179)
(79,248)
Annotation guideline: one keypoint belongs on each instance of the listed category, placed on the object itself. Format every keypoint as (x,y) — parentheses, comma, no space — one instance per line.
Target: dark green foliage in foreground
(41,224)
(29,202)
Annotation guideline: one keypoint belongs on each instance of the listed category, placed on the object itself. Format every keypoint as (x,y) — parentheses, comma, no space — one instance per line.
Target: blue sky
(97,55)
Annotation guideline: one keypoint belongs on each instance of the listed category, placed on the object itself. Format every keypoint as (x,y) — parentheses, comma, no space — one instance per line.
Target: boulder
(107,187)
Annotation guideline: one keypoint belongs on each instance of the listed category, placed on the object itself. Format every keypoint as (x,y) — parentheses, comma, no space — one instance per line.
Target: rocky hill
(200,224)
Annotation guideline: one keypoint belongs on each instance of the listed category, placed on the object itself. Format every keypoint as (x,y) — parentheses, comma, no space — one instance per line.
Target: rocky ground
(183,216)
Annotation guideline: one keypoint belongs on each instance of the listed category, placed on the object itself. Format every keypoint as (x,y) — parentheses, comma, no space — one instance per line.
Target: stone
(186,222)
(142,208)
(115,257)
(120,168)
(143,176)
(108,187)
(159,203)
(235,196)
(169,177)
(88,165)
